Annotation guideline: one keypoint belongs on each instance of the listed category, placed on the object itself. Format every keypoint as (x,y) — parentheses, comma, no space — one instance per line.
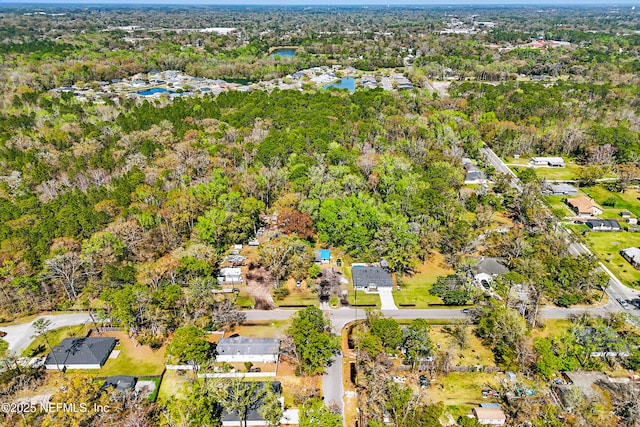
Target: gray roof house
(603,225)
(80,353)
(245,349)
(488,269)
(632,255)
(560,190)
(121,383)
(370,278)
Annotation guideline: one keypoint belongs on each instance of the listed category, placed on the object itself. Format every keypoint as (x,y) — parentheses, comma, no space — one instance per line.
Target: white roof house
(230,275)
(245,349)
(550,162)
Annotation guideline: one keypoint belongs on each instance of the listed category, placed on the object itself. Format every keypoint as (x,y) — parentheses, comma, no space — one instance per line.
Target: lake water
(283,52)
(153,91)
(344,83)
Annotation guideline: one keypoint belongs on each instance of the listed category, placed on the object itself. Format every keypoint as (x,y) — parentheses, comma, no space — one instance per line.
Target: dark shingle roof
(81,351)
(366,276)
(607,223)
(121,382)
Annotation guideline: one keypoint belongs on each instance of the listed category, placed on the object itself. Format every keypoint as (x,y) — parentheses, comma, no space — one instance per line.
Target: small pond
(153,91)
(283,52)
(344,83)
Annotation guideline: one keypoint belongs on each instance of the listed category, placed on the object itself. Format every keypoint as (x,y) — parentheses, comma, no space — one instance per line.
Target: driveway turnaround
(20,336)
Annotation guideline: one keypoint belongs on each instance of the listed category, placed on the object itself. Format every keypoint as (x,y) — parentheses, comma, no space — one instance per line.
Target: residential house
(473,175)
(370,278)
(625,214)
(488,269)
(490,416)
(245,349)
(121,383)
(549,162)
(584,206)
(80,353)
(603,225)
(231,275)
(323,256)
(632,255)
(560,190)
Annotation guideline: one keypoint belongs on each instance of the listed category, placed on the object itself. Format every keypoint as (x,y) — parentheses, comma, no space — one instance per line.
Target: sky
(337,2)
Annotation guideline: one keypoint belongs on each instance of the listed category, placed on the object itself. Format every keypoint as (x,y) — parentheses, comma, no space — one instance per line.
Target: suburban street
(20,336)
(332,388)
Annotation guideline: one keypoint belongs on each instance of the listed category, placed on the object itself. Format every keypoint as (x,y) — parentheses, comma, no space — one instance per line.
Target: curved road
(20,336)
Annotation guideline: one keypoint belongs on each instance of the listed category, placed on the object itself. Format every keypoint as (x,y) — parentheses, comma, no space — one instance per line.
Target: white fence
(237,375)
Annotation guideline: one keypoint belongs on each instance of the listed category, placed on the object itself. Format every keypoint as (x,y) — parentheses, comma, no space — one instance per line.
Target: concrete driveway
(386,299)
(20,336)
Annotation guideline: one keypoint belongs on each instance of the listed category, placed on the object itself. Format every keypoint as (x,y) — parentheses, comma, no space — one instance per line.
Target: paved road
(499,165)
(20,336)
(332,388)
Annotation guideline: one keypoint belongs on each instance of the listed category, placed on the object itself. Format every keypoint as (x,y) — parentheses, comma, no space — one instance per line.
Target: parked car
(466,310)
(424,382)
(623,303)
(3,333)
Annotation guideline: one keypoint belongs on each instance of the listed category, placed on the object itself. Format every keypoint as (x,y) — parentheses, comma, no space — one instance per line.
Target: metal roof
(246,346)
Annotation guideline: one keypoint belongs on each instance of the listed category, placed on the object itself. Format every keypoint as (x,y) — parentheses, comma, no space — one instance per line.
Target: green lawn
(360,297)
(415,289)
(627,201)
(298,296)
(607,247)
(39,347)
(172,385)
(461,391)
(557,204)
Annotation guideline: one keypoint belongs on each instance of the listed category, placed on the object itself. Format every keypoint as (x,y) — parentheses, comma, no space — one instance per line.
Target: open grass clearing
(134,360)
(414,290)
(172,385)
(360,298)
(303,295)
(38,346)
(552,327)
(462,391)
(474,354)
(627,201)
(261,329)
(607,247)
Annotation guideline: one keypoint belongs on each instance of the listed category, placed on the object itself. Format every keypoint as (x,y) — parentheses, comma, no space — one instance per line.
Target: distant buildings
(549,162)
(560,190)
